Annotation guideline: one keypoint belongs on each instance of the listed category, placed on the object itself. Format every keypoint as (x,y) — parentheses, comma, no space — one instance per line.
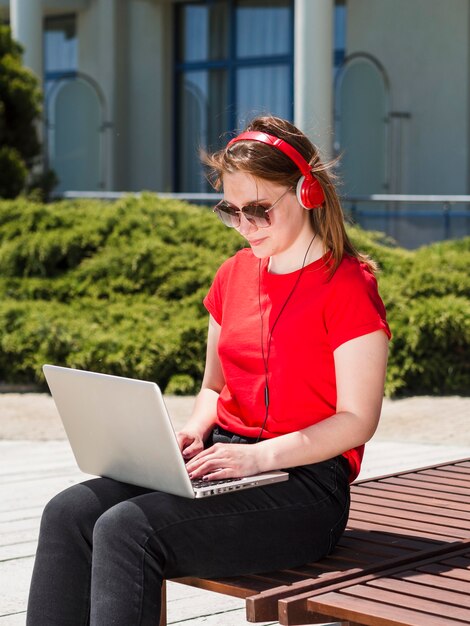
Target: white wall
(424,47)
(96,29)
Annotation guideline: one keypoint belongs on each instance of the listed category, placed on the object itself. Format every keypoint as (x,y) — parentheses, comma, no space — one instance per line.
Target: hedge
(118,288)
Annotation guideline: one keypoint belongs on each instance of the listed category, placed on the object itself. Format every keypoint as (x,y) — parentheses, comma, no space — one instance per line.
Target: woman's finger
(211,465)
(215,451)
(220,474)
(194,448)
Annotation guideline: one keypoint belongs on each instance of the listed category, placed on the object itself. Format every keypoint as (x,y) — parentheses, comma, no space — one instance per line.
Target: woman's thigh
(78,507)
(276,526)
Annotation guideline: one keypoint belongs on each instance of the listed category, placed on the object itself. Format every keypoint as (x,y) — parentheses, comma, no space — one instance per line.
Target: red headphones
(309,191)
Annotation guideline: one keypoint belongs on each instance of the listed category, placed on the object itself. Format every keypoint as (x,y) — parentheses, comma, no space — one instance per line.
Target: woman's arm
(360,366)
(191,438)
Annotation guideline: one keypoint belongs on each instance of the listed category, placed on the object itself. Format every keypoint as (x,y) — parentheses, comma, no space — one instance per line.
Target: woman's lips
(257,242)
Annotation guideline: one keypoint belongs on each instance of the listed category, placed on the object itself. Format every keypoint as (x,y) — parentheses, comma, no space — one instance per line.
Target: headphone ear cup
(309,192)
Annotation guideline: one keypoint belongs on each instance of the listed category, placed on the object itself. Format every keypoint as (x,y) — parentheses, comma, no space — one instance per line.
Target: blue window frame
(233,61)
(60,49)
(340,33)
(60,46)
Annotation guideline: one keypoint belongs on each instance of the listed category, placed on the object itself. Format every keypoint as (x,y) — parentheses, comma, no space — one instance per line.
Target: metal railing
(445,201)
(392,206)
(197,198)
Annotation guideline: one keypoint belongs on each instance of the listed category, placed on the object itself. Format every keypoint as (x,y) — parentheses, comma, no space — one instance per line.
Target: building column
(26,24)
(149,146)
(313,71)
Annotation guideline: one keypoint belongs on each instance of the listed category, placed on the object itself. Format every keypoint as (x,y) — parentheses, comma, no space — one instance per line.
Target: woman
(296,358)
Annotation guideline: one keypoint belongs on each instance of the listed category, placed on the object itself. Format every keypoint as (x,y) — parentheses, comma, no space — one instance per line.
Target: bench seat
(434,592)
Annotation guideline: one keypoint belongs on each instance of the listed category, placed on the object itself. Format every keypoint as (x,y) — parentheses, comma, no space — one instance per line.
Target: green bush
(430,348)
(182,385)
(390,258)
(13,172)
(118,288)
(109,287)
(131,337)
(428,310)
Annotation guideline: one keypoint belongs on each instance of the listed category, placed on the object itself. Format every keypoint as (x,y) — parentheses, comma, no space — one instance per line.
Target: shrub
(110,287)
(118,288)
(390,258)
(20,105)
(430,347)
(182,385)
(13,172)
(429,312)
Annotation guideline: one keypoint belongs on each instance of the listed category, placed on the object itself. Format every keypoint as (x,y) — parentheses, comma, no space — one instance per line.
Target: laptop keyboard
(198,482)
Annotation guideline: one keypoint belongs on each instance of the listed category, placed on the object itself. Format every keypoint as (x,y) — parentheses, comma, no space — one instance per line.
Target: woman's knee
(122,522)
(124,536)
(75,508)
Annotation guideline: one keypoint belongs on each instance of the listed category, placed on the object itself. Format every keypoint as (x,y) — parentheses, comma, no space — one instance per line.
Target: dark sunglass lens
(227,214)
(256,214)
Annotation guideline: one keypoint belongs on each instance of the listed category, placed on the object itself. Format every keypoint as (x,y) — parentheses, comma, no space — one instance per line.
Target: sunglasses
(256,213)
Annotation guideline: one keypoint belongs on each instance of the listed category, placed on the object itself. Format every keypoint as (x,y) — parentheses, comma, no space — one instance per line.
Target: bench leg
(163,615)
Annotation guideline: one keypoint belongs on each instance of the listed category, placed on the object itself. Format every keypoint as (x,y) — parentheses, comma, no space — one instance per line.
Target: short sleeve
(354,307)
(214,299)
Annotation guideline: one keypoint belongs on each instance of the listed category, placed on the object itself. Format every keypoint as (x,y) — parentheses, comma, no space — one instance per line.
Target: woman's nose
(245,225)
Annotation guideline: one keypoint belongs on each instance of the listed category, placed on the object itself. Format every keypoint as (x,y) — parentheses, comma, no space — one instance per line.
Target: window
(339,33)
(73,111)
(60,47)
(234,60)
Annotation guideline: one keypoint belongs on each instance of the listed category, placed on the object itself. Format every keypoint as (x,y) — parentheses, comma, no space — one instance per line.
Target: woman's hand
(225,460)
(190,442)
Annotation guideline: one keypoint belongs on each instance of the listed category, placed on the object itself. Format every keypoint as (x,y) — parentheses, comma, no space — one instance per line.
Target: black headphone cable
(270,333)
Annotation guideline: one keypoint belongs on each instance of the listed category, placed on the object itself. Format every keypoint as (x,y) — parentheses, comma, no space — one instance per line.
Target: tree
(20,109)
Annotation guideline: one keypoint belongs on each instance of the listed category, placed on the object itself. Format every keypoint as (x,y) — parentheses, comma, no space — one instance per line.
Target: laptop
(120,428)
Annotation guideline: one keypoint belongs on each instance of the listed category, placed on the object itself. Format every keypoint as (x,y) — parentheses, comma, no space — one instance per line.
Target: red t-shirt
(320,315)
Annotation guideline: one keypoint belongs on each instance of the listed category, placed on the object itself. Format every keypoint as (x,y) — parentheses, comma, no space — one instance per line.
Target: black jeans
(105,547)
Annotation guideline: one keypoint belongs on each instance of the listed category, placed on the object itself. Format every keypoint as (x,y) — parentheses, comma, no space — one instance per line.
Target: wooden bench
(432,504)
(394,520)
(433,592)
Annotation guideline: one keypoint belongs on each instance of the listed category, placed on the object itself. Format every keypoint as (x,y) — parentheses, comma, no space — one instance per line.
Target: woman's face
(290,231)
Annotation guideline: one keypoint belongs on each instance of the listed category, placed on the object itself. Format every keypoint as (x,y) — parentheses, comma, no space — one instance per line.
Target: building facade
(133,88)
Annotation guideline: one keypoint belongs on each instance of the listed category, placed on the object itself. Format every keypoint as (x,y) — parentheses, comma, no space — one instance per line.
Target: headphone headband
(280,144)
(309,191)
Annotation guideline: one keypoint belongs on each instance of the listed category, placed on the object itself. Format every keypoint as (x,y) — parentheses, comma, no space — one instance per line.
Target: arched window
(362,130)
(74,123)
(361,125)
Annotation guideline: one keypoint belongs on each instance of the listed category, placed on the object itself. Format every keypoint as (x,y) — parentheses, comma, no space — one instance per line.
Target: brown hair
(268,163)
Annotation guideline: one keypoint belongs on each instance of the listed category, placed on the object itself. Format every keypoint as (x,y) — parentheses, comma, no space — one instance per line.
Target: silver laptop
(120,428)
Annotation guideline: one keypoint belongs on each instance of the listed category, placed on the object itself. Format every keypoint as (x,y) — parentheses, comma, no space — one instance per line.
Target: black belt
(220,435)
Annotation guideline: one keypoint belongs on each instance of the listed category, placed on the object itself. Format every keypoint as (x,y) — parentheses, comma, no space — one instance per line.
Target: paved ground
(422,419)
